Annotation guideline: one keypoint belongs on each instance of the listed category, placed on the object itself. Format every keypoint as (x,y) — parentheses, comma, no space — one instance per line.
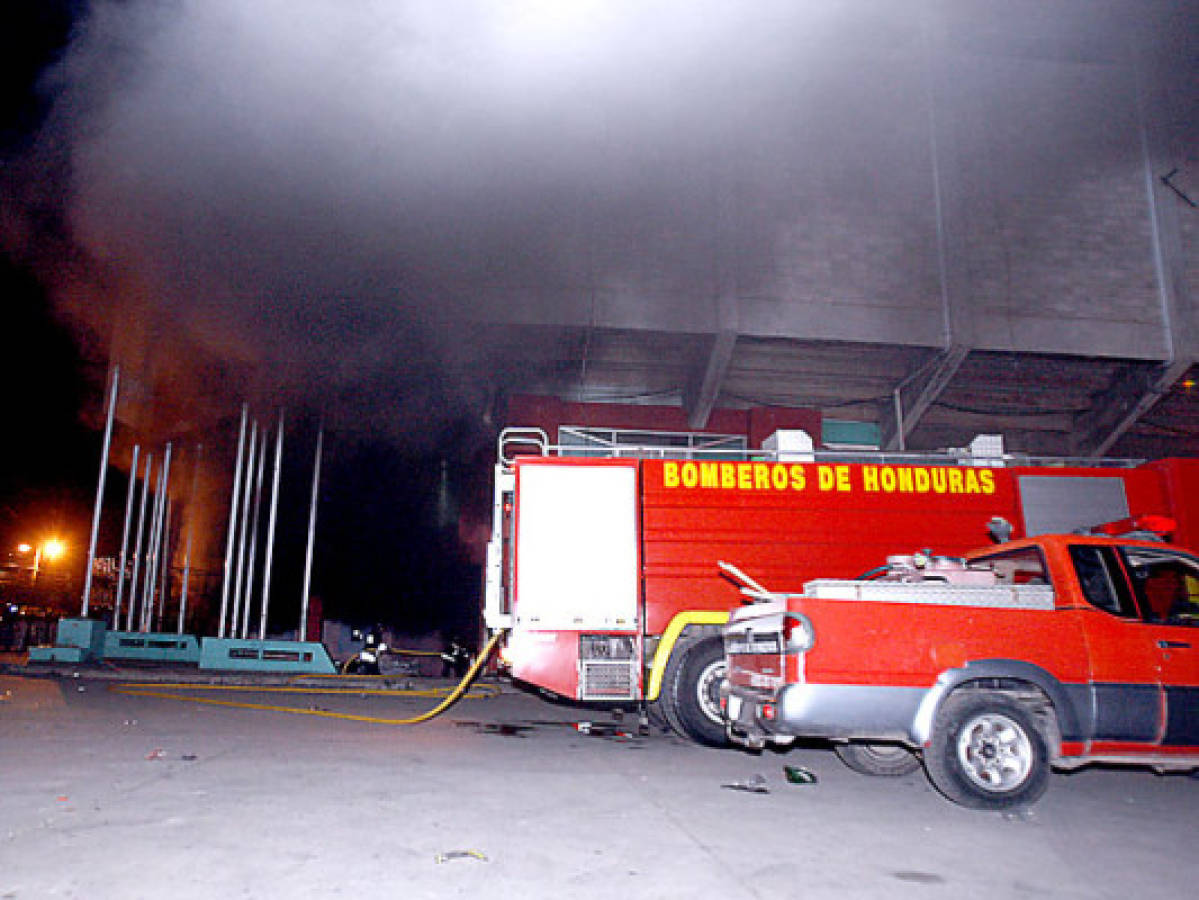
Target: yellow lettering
(971,481)
(745,479)
(670,475)
(905,480)
(728,476)
(888,479)
(843,478)
(939,480)
(761,477)
(827,478)
(709,475)
(690,475)
(799,480)
(921,478)
(955,481)
(987,477)
(870,478)
(778,477)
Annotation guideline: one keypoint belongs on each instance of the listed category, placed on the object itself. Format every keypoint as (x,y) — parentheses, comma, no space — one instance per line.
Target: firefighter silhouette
(455,659)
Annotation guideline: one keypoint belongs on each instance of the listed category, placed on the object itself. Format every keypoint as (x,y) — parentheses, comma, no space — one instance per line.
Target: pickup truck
(1051,652)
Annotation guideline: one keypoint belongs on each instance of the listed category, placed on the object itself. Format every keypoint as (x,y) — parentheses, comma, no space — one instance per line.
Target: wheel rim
(994,752)
(707,690)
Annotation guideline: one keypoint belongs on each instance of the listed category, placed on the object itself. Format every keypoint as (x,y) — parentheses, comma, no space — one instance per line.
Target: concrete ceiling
(1044,404)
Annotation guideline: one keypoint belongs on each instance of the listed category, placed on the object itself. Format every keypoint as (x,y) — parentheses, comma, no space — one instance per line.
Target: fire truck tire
(667,704)
(696,693)
(987,752)
(657,716)
(887,760)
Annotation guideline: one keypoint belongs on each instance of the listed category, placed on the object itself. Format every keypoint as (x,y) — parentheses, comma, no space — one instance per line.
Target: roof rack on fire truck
(580,441)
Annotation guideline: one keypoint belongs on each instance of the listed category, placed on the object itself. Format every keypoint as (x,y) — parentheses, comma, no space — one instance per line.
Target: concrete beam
(699,398)
(1138,390)
(916,393)
(1131,396)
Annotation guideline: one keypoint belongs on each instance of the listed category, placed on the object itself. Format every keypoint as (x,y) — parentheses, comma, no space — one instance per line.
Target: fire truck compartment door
(576,547)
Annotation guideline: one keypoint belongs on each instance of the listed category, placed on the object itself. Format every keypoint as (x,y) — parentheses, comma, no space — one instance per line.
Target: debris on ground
(189,757)
(507,729)
(603,729)
(156,753)
(461,854)
(799,775)
(755,784)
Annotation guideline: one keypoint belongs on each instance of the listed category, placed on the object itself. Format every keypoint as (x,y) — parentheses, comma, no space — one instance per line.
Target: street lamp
(51,549)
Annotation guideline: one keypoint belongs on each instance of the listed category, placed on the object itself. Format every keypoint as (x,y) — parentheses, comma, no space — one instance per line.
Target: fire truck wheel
(889,760)
(696,693)
(666,702)
(657,716)
(987,752)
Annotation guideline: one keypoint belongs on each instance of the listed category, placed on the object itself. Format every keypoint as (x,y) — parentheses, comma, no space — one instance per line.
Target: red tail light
(798,634)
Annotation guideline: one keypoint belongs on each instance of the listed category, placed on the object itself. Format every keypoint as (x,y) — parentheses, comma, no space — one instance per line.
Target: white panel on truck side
(576,547)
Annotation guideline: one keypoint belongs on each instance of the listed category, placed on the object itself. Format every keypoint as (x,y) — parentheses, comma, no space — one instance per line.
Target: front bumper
(755,718)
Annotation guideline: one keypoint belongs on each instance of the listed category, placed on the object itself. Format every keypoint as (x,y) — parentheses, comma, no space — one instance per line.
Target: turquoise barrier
(244,655)
(152,647)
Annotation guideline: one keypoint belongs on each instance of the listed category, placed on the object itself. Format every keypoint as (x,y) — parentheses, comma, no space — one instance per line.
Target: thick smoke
(302,201)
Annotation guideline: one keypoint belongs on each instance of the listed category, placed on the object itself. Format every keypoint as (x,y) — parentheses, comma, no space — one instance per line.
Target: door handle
(1173,645)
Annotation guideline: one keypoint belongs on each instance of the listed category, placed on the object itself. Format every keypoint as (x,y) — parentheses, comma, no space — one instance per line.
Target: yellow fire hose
(147,689)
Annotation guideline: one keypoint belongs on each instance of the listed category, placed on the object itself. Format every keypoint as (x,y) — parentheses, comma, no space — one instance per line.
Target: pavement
(108,795)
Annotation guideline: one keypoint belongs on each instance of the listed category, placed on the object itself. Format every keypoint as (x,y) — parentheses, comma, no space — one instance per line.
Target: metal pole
(245,614)
(191,527)
(164,584)
(270,532)
(316,480)
(116,609)
(162,547)
(152,550)
(241,437)
(897,397)
(137,547)
(247,490)
(91,547)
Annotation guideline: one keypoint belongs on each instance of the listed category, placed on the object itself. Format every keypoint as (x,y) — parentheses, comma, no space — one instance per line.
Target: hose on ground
(149,689)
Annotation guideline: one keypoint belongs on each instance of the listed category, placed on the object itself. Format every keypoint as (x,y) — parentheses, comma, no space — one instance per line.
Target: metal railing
(624,444)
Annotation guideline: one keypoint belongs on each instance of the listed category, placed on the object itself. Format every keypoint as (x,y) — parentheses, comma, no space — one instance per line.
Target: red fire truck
(602,562)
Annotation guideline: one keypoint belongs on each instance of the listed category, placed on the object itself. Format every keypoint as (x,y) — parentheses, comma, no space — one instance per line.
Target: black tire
(987,752)
(666,702)
(657,717)
(695,693)
(886,760)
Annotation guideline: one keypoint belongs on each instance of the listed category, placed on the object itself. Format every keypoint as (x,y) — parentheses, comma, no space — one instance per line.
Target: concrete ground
(104,795)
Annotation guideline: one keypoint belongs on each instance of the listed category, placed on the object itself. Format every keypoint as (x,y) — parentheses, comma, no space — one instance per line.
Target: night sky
(293,202)
(43,475)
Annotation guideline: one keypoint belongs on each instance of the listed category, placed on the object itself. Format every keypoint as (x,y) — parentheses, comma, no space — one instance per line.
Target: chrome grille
(601,680)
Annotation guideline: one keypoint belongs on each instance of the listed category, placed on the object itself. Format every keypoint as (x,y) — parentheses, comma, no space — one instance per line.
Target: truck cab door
(1166,585)
(1126,694)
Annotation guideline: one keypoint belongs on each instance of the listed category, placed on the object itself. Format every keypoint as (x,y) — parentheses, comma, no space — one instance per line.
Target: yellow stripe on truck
(670,637)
